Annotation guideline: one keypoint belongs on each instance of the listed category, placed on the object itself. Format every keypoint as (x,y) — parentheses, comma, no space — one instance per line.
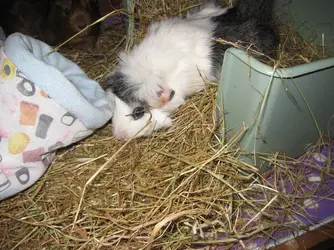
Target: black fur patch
(250,22)
(119,84)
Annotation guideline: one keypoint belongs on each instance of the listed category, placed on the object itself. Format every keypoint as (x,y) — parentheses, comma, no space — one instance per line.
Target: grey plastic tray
(283,110)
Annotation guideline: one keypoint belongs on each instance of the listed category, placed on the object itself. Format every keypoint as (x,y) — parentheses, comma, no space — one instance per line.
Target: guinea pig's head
(129,119)
(137,79)
(73,16)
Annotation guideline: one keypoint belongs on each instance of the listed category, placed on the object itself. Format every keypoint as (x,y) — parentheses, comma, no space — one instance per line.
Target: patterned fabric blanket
(46,102)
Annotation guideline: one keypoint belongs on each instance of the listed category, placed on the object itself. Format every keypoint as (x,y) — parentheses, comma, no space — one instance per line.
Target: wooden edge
(309,239)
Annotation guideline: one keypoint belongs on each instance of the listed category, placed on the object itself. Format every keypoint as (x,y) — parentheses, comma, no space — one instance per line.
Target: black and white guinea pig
(168,65)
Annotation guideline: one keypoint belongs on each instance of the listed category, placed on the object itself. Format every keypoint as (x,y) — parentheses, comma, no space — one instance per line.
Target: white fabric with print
(32,124)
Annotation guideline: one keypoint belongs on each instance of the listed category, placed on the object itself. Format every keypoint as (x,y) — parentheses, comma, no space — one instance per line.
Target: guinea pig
(52,21)
(132,119)
(168,65)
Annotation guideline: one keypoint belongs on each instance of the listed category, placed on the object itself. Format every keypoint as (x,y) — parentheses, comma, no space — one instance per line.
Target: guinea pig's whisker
(130,114)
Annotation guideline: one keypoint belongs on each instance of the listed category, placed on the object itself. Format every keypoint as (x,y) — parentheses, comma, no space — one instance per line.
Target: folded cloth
(46,102)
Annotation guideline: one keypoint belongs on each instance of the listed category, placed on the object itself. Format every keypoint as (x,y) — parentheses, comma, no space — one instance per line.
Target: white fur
(173,55)
(207,10)
(169,57)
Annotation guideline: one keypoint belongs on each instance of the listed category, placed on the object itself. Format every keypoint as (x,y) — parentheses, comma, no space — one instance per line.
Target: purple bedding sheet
(313,197)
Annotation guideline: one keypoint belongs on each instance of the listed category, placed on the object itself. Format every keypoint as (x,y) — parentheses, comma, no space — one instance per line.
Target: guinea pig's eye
(138,113)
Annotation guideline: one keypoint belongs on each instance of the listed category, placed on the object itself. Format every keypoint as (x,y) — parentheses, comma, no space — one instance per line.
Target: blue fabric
(63,80)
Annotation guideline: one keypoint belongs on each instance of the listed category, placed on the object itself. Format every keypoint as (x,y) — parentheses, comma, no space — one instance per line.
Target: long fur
(168,65)
(251,22)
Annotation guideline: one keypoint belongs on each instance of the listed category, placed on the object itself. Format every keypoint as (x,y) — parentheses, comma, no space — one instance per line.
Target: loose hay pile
(294,50)
(176,189)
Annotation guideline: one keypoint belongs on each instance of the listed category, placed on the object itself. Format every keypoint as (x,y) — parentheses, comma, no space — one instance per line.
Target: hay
(176,189)
(294,50)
